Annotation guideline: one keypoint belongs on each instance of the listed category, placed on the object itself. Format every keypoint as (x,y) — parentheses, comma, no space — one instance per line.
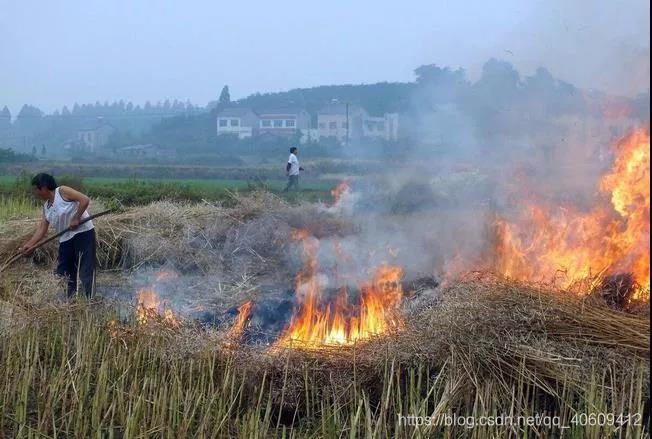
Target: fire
(164,275)
(150,307)
(567,245)
(341,322)
(339,190)
(244,311)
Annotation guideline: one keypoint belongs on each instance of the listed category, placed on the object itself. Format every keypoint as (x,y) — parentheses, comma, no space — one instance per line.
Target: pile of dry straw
(487,327)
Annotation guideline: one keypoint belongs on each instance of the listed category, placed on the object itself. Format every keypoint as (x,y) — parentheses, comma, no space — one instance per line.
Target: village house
(341,121)
(385,127)
(95,135)
(337,120)
(283,122)
(349,121)
(245,122)
(241,122)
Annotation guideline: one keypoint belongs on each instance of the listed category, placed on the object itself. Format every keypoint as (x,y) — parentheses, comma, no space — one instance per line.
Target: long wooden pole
(17,256)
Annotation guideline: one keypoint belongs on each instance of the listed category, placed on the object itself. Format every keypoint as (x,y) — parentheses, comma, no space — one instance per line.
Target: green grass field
(8,181)
(16,200)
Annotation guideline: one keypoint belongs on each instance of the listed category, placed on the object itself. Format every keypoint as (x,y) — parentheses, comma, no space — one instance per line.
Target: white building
(348,121)
(281,122)
(385,127)
(94,135)
(237,121)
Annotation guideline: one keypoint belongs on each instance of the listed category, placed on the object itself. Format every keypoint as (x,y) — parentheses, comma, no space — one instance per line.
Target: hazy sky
(60,52)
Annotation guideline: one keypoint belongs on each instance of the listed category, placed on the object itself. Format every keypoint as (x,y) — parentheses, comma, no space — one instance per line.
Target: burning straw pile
(354,359)
(482,346)
(493,329)
(507,329)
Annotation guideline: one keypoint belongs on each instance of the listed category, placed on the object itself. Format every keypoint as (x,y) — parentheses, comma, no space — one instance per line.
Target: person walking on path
(292,170)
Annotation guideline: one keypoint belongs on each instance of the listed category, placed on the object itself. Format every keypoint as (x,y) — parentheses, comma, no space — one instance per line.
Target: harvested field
(480,345)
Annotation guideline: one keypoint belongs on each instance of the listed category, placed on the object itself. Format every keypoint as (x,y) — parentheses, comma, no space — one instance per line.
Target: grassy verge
(17,206)
(6,182)
(130,192)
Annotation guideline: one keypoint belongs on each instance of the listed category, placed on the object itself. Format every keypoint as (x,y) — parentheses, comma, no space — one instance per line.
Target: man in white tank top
(66,208)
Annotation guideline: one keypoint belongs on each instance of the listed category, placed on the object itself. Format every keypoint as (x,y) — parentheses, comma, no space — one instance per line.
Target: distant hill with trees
(440,106)
(32,127)
(377,99)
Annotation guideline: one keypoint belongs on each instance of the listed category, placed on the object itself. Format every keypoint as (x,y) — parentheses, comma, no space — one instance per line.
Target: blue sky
(56,53)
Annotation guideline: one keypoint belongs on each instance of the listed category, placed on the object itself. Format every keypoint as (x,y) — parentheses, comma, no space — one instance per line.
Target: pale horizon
(152,51)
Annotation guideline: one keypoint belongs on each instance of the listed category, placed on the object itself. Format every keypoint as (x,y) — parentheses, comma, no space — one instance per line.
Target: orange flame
(150,307)
(340,322)
(339,190)
(244,311)
(567,245)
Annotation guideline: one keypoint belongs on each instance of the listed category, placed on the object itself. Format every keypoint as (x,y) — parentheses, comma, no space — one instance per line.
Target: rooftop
(235,112)
(287,111)
(338,108)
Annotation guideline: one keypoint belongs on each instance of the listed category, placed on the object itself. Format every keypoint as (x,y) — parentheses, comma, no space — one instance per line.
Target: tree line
(32,126)
(440,105)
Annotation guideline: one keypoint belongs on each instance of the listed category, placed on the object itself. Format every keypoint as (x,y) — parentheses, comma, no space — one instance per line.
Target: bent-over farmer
(65,207)
(292,170)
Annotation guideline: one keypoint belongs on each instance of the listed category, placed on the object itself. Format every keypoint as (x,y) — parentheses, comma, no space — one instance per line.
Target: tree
(29,120)
(9,156)
(225,98)
(5,120)
(499,78)
(433,74)
(438,85)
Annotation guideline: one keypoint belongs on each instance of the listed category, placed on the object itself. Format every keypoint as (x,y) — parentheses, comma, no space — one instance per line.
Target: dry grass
(139,236)
(479,348)
(509,331)
(202,237)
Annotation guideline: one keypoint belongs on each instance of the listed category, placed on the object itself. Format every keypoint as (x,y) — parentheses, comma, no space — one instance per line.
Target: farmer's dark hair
(43,180)
(293,150)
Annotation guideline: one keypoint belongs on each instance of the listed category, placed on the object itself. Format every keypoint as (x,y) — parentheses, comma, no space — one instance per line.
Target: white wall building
(236,121)
(95,135)
(347,121)
(385,127)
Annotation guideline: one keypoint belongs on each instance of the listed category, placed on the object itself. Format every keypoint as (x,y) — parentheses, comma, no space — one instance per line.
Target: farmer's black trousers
(77,262)
(293,181)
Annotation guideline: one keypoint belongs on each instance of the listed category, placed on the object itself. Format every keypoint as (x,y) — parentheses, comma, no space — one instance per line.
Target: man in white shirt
(292,170)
